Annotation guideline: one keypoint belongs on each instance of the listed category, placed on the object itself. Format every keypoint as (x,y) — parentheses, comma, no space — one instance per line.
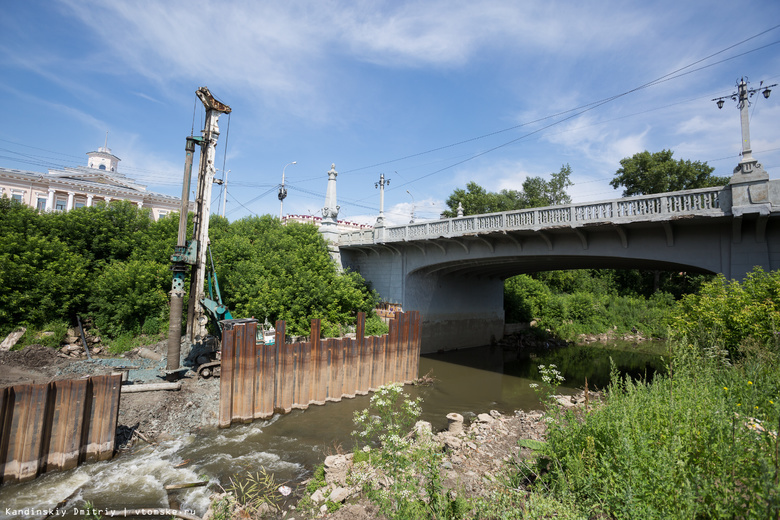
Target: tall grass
(699,442)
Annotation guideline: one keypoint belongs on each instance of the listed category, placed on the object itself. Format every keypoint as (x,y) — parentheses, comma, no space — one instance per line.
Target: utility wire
(666,77)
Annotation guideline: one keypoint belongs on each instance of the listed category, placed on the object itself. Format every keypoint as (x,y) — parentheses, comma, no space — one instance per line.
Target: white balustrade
(691,202)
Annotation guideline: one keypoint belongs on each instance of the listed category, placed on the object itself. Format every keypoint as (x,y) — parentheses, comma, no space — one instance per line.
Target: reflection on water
(468,381)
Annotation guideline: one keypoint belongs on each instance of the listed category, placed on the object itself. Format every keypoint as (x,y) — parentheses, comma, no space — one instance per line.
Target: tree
(277,272)
(536,192)
(645,173)
(476,200)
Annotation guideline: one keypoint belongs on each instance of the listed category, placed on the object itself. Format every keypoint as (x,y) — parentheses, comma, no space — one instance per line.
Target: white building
(69,188)
(344,226)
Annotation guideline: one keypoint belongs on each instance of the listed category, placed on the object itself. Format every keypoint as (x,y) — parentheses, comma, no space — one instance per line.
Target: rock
(495,414)
(565,400)
(455,423)
(451,443)
(340,494)
(318,496)
(485,418)
(336,470)
(422,429)
(12,339)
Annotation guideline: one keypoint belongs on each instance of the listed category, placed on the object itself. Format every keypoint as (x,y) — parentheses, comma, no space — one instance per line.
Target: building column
(107,199)
(50,200)
(70,201)
(89,200)
(140,204)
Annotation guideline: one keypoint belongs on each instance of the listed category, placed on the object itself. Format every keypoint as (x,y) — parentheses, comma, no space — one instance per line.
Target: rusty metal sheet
(262,379)
(57,425)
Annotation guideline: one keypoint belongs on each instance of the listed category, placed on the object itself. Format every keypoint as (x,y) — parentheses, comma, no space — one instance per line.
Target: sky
(432,93)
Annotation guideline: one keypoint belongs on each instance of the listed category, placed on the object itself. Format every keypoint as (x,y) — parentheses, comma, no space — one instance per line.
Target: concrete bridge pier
(456,311)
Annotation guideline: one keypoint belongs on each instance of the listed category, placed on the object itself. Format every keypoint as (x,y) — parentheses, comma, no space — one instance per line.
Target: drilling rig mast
(193,252)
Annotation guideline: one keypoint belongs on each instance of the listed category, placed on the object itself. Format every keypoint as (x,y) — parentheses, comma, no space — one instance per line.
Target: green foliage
(51,334)
(476,200)
(125,342)
(255,492)
(41,279)
(531,444)
(536,192)
(551,379)
(698,443)
(590,309)
(414,466)
(645,173)
(375,326)
(277,272)
(332,506)
(125,294)
(112,262)
(317,480)
(728,312)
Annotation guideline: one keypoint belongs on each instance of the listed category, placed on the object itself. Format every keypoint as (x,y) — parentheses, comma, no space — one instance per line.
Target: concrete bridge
(452,270)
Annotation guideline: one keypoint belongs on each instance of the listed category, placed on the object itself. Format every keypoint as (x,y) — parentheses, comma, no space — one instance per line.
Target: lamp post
(283,190)
(742,97)
(224,192)
(381,185)
(413,206)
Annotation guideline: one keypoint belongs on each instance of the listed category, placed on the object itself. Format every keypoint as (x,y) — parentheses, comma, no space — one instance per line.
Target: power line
(581,109)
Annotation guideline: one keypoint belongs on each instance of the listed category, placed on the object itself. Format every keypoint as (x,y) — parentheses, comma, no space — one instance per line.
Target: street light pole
(413,206)
(380,221)
(283,190)
(224,192)
(747,164)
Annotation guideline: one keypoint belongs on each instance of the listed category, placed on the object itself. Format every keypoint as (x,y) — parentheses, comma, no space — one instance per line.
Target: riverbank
(472,459)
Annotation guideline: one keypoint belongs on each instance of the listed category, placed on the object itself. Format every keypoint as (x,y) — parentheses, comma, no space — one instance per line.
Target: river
(467,381)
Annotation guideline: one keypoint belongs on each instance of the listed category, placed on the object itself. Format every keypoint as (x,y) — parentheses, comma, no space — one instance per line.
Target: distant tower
(103,159)
(330,213)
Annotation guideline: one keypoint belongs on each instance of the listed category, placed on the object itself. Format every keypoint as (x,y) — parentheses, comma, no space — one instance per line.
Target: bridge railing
(706,201)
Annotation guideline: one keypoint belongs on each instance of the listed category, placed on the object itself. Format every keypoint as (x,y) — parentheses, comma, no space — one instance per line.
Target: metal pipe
(179,268)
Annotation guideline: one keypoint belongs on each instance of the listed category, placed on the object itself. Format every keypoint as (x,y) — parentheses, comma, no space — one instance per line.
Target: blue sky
(432,93)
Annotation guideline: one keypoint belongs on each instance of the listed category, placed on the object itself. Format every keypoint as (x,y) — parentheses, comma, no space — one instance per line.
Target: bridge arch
(452,270)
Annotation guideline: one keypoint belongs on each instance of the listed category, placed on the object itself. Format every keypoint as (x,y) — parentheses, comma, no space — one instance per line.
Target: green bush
(375,326)
(726,312)
(51,334)
(125,294)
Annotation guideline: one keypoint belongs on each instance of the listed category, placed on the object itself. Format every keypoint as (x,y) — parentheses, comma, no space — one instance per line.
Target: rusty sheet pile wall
(258,380)
(57,425)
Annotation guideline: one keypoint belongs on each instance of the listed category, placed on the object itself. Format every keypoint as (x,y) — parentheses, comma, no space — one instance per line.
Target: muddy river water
(469,381)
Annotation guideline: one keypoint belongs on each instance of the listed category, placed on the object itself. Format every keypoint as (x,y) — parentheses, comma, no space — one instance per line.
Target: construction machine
(190,254)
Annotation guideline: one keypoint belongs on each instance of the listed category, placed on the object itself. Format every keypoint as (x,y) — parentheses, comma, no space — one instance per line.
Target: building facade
(83,186)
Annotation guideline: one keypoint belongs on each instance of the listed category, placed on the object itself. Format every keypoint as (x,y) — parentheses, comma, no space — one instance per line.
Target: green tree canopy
(112,263)
(644,173)
(536,192)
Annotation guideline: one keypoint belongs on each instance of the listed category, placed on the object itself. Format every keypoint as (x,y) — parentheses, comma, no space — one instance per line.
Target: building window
(17,197)
(60,205)
(41,204)
(79,205)
(102,167)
